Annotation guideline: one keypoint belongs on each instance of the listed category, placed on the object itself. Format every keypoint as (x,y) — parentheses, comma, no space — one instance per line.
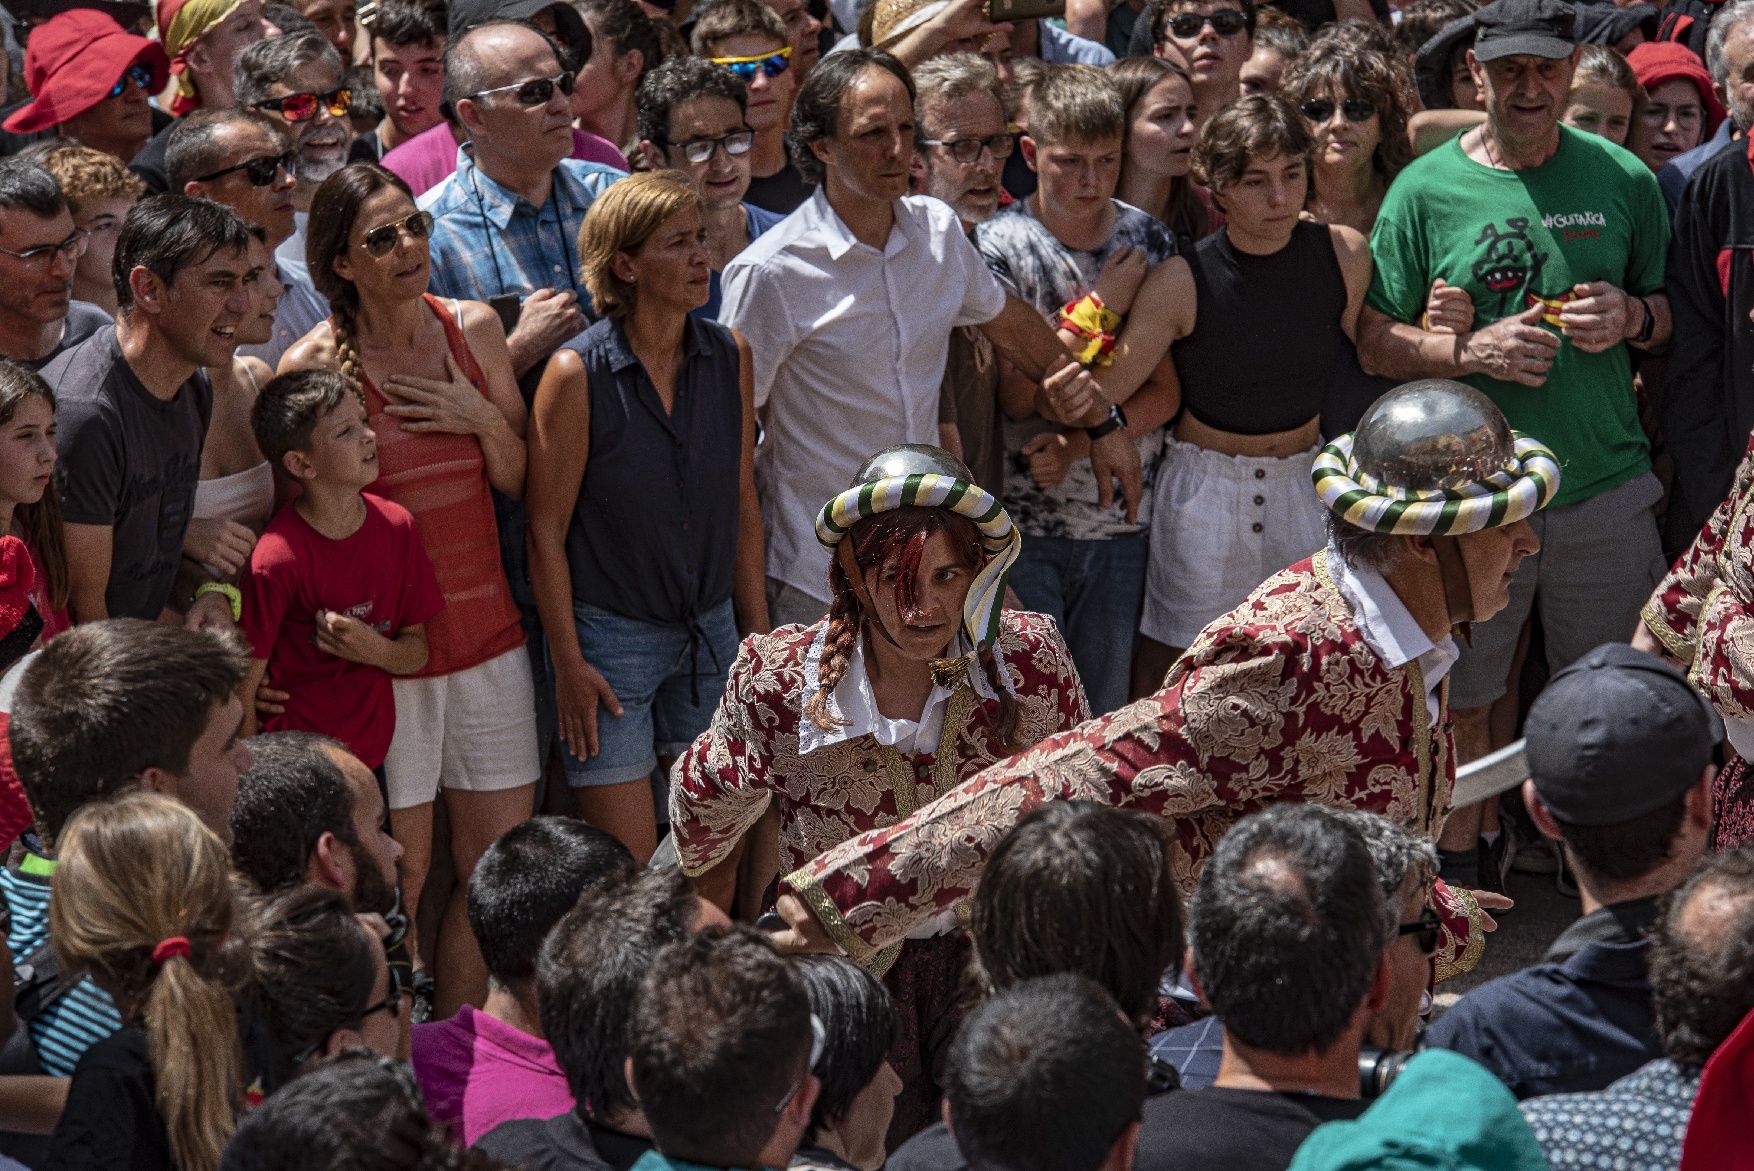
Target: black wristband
(1650,323)
(1117,419)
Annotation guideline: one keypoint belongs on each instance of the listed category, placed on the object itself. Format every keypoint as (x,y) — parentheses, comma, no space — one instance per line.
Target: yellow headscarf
(181,23)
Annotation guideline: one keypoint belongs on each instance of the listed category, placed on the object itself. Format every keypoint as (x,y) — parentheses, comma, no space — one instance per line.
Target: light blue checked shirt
(487,240)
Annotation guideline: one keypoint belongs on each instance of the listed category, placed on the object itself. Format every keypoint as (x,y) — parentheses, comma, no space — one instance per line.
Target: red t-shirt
(379,575)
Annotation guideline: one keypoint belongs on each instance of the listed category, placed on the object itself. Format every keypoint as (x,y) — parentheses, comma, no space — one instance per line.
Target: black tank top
(1266,333)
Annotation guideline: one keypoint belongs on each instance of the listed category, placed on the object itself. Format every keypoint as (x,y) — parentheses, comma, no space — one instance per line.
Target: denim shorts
(668,679)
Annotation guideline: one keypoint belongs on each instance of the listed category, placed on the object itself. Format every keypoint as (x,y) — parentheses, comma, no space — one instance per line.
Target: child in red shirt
(339,589)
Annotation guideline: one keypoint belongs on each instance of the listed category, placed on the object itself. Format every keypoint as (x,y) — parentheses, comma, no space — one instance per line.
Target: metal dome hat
(1434,458)
(919,476)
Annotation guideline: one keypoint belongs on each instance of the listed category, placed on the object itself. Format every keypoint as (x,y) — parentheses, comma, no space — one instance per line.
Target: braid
(1005,727)
(841,639)
(347,345)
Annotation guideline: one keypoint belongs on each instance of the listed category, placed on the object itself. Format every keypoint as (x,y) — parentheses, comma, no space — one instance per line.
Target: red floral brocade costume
(749,756)
(1279,700)
(1703,614)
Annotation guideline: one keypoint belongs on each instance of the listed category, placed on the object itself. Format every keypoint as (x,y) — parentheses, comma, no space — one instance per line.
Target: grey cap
(1532,28)
(1617,734)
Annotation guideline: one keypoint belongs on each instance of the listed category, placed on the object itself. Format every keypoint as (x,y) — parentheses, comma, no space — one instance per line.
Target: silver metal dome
(1432,435)
(910,459)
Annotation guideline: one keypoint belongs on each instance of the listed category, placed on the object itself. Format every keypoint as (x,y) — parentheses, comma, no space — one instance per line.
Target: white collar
(1388,627)
(853,701)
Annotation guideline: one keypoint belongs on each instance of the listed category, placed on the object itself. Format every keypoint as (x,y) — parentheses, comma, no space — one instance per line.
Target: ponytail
(190,1018)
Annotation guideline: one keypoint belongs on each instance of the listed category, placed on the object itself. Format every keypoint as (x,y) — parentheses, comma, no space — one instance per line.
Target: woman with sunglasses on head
(1232,502)
(437,382)
(1159,100)
(1355,99)
(644,527)
(745,37)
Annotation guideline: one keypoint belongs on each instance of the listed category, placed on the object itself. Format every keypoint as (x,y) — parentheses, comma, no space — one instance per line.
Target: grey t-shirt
(83,319)
(1034,265)
(129,461)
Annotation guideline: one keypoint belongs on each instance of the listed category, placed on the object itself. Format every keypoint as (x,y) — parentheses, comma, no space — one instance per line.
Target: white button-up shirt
(849,345)
(1389,628)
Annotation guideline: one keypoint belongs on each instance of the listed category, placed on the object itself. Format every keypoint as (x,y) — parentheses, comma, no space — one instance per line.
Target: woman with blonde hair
(644,527)
(142,901)
(439,392)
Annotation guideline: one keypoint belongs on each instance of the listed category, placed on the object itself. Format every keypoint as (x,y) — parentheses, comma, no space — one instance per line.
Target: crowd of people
(678,584)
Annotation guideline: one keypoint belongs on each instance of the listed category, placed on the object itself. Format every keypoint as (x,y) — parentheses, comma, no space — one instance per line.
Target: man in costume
(1326,685)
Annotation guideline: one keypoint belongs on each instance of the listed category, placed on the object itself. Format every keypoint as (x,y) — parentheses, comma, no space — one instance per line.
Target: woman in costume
(915,681)
(1701,617)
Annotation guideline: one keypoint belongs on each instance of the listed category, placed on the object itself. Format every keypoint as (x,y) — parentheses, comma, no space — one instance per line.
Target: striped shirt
(62,1033)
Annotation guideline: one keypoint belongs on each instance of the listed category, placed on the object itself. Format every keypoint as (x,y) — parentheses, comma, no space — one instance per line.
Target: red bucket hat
(1655,62)
(72,62)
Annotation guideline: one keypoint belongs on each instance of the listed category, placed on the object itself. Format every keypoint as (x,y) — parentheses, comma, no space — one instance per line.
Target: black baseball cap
(1533,28)
(1616,735)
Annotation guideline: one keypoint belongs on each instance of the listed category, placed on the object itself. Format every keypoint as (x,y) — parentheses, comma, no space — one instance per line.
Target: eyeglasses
(535,92)
(1226,22)
(140,75)
(73,247)
(1424,931)
(818,1043)
(967,150)
(260,171)
(303,107)
(380,240)
(1321,109)
(392,1003)
(773,64)
(699,150)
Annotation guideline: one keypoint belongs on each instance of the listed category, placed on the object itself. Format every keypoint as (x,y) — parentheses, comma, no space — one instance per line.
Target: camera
(1377,1067)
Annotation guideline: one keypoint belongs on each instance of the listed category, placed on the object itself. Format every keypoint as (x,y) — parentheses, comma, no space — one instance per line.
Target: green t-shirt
(1592,212)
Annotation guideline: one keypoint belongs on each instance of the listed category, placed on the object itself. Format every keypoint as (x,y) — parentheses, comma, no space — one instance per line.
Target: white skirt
(1220,526)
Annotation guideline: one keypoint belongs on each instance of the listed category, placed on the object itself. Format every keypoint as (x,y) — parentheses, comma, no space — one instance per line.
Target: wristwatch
(1117,419)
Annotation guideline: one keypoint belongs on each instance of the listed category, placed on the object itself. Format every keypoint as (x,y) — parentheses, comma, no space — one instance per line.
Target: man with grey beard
(961,151)
(1707,407)
(300,81)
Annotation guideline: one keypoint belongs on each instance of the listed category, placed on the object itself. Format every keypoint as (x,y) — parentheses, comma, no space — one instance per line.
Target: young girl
(1159,102)
(142,900)
(27,509)
(1603,94)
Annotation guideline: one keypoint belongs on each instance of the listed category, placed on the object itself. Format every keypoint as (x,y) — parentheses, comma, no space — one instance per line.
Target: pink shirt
(478,1072)
(430,157)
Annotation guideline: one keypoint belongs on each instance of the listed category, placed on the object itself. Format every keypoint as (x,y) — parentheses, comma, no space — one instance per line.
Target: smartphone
(1002,11)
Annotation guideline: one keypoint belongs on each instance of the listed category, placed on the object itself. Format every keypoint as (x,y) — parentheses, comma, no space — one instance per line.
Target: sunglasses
(391,1003)
(1226,22)
(304,107)
(773,64)
(140,75)
(699,150)
(535,92)
(73,247)
(380,240)
(259,171)
(1424,931)
(1321,109)
(967,150)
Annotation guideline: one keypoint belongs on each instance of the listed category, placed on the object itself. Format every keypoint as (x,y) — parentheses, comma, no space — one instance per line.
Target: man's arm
(1515,349)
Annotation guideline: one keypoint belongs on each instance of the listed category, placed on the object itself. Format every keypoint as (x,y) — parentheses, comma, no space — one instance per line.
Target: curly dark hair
(1342,65)
(1702,959)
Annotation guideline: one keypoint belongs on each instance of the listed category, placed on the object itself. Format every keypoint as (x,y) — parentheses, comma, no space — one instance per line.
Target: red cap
(1655,62)
(73,61)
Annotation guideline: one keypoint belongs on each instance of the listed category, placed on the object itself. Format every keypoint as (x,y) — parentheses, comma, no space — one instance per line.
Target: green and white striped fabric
(1503,498)
(980,613)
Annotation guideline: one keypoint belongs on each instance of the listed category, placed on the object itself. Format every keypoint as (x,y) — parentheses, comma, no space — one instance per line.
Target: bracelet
(1098,351)
(1117,419)
(1088,317)
(1650,323)
(231,593)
